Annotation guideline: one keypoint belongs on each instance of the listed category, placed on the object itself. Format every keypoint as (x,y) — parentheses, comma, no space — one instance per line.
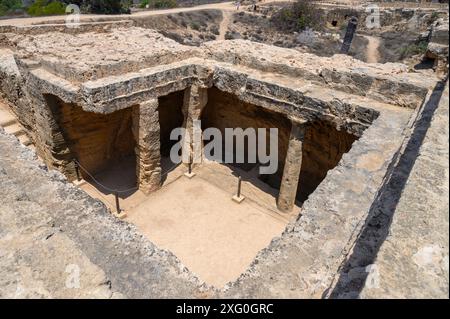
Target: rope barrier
(111,190)
(254,197)
(102,196)
(254,203)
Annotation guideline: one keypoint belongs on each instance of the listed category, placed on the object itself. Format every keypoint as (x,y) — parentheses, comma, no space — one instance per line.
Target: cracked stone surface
(403,250)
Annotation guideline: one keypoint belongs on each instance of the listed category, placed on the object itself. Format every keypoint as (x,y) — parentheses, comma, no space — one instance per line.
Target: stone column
(195,99)
(292,167)
(146,132)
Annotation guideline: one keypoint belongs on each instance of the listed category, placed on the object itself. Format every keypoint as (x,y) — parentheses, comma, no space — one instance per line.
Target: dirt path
(373,49)
(90,17)
(224,6)
(224,24)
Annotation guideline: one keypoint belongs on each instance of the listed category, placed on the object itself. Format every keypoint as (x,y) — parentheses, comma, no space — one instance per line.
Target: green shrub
(102,6)
(298,16)
(43,7)
(413,49)
(434,16)
(144,3)
(194,25)
(164,3)
(105,6)
(54,7)
(8,6)
(158,4)
(50,7)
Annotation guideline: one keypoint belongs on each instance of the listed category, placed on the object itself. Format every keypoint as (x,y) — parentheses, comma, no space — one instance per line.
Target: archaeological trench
(359,202)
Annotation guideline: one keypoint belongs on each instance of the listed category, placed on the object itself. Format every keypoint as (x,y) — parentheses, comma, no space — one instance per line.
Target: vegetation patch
(298,16)
(413,49)
(46,8)
(9,6)
(104,6)
(158,4)
(58,7)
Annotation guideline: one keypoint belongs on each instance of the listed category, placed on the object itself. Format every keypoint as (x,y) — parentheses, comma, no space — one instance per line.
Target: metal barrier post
(238,198)
(239,187)
(77,170)
(117,203)
(189,173)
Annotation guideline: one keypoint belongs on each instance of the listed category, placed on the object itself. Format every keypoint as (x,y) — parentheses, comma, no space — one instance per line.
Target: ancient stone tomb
(105,113)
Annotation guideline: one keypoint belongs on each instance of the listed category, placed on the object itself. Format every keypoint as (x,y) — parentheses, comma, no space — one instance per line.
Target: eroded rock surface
(50,231)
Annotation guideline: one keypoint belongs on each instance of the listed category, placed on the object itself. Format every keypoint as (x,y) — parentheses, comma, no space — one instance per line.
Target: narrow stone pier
(292,167)
(195,99)
(146,131)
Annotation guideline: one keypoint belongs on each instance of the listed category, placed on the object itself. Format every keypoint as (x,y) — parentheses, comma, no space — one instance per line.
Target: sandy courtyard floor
(196,219)
(213,236)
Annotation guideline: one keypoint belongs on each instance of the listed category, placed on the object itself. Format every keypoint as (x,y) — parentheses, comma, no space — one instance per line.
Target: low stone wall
(12,93)
(404,250)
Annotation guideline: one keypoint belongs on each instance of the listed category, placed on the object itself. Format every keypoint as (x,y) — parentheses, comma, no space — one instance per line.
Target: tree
(107,6)
(102,6)
(298,16)
(7,6)
(43,7)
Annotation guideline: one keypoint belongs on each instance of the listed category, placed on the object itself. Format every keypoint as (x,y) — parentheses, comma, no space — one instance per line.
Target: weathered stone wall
(437,49)
(402,251)
(9,76)
(225,110)
(133,50)
(323,148)
(11,84)
(94,139)
(418,238)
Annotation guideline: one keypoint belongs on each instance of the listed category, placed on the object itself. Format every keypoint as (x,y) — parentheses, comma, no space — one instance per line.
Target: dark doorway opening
(170,110)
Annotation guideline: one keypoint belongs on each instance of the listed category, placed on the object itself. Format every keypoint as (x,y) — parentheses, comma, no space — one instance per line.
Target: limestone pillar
(195,99)
(292,167)
(146,132)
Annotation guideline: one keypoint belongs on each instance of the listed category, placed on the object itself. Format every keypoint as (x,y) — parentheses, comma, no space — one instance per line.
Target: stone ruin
(109,90)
